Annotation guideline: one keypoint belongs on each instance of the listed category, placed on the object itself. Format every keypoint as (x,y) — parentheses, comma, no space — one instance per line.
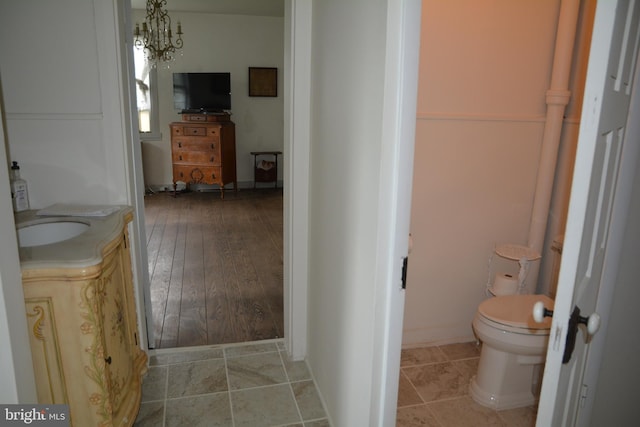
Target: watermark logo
(34,415)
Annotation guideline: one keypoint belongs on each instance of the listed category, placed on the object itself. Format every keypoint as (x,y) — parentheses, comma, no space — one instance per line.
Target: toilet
(513,351)
(514,345)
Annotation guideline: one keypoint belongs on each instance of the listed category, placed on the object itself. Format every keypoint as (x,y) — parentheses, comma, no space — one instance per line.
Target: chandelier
(156,37)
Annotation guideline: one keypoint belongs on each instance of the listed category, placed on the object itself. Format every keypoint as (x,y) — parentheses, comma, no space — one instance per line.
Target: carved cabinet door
(118,346)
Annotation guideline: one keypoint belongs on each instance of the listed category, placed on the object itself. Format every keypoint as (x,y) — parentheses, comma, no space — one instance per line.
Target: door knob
(592,323)
(540,312)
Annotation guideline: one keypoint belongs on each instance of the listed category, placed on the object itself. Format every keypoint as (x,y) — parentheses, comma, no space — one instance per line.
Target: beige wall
(223,43)
(484,71)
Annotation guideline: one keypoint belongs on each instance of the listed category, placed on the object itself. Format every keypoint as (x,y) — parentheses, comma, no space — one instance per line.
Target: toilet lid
(515,310)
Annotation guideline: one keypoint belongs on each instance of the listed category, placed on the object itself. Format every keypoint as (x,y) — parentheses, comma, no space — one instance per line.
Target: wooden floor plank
(216,267)
(161,272)
(192,326)
(171,317)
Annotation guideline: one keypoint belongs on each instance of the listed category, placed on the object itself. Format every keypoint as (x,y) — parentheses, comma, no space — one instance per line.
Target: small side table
(265,175)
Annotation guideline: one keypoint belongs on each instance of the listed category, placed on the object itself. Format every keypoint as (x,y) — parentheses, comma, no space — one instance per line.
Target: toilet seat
(514,313)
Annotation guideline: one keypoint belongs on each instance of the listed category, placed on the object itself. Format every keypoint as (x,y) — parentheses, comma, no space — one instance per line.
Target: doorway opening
(215,266)
(437,335)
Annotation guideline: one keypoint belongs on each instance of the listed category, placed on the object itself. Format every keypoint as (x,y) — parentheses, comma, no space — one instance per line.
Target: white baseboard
(242,185)
(431,336)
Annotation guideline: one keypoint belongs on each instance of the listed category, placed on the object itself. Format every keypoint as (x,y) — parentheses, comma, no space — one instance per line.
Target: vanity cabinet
(204,152)
(83,335)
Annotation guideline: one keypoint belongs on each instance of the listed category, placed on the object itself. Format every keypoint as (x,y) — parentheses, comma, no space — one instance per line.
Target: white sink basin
(49,232)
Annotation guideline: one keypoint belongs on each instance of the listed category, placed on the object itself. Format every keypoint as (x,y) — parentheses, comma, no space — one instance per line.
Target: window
(146,96)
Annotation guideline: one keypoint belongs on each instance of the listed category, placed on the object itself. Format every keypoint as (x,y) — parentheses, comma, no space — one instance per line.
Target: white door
(396,178)
(588,239)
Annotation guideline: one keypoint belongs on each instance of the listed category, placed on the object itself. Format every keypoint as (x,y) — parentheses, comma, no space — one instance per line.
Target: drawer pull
(180,157)
(213,176)
(211,159)
(212,146)
(179,144)
(108,360)
(181,175)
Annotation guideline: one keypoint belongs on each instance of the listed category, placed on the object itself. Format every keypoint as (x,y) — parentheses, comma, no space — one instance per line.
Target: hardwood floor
(215,266)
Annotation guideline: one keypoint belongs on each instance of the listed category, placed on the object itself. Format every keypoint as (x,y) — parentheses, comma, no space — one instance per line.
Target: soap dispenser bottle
(18,189)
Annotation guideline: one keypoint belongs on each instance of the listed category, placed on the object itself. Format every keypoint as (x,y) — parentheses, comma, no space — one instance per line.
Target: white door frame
(297,72)
(16,367)
(297,116)
(135,192)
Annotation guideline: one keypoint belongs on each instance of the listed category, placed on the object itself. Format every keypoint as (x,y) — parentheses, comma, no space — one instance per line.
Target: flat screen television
(202,92)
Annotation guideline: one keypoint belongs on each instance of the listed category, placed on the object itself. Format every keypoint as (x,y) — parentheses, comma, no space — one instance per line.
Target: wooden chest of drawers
(204,153)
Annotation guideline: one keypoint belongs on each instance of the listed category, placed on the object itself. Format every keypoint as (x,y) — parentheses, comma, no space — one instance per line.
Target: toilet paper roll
(505,284)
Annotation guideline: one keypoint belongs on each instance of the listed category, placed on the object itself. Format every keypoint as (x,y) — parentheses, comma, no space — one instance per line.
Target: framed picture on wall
(263,81)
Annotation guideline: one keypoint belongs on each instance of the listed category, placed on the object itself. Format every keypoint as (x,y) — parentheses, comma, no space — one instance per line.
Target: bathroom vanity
(82,320)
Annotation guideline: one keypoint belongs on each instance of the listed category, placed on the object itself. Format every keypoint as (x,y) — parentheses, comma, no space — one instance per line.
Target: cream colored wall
(63,116)
(484,72)
(223,43)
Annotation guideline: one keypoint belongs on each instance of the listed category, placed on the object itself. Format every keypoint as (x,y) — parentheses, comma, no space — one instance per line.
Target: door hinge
(584,392)
(405,261)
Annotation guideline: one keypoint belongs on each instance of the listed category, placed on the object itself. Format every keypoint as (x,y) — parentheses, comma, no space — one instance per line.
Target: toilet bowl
(513,351)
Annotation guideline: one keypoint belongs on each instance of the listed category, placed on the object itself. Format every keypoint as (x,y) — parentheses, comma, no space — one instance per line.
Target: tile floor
(249,385)
(255,385)
(434,391)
